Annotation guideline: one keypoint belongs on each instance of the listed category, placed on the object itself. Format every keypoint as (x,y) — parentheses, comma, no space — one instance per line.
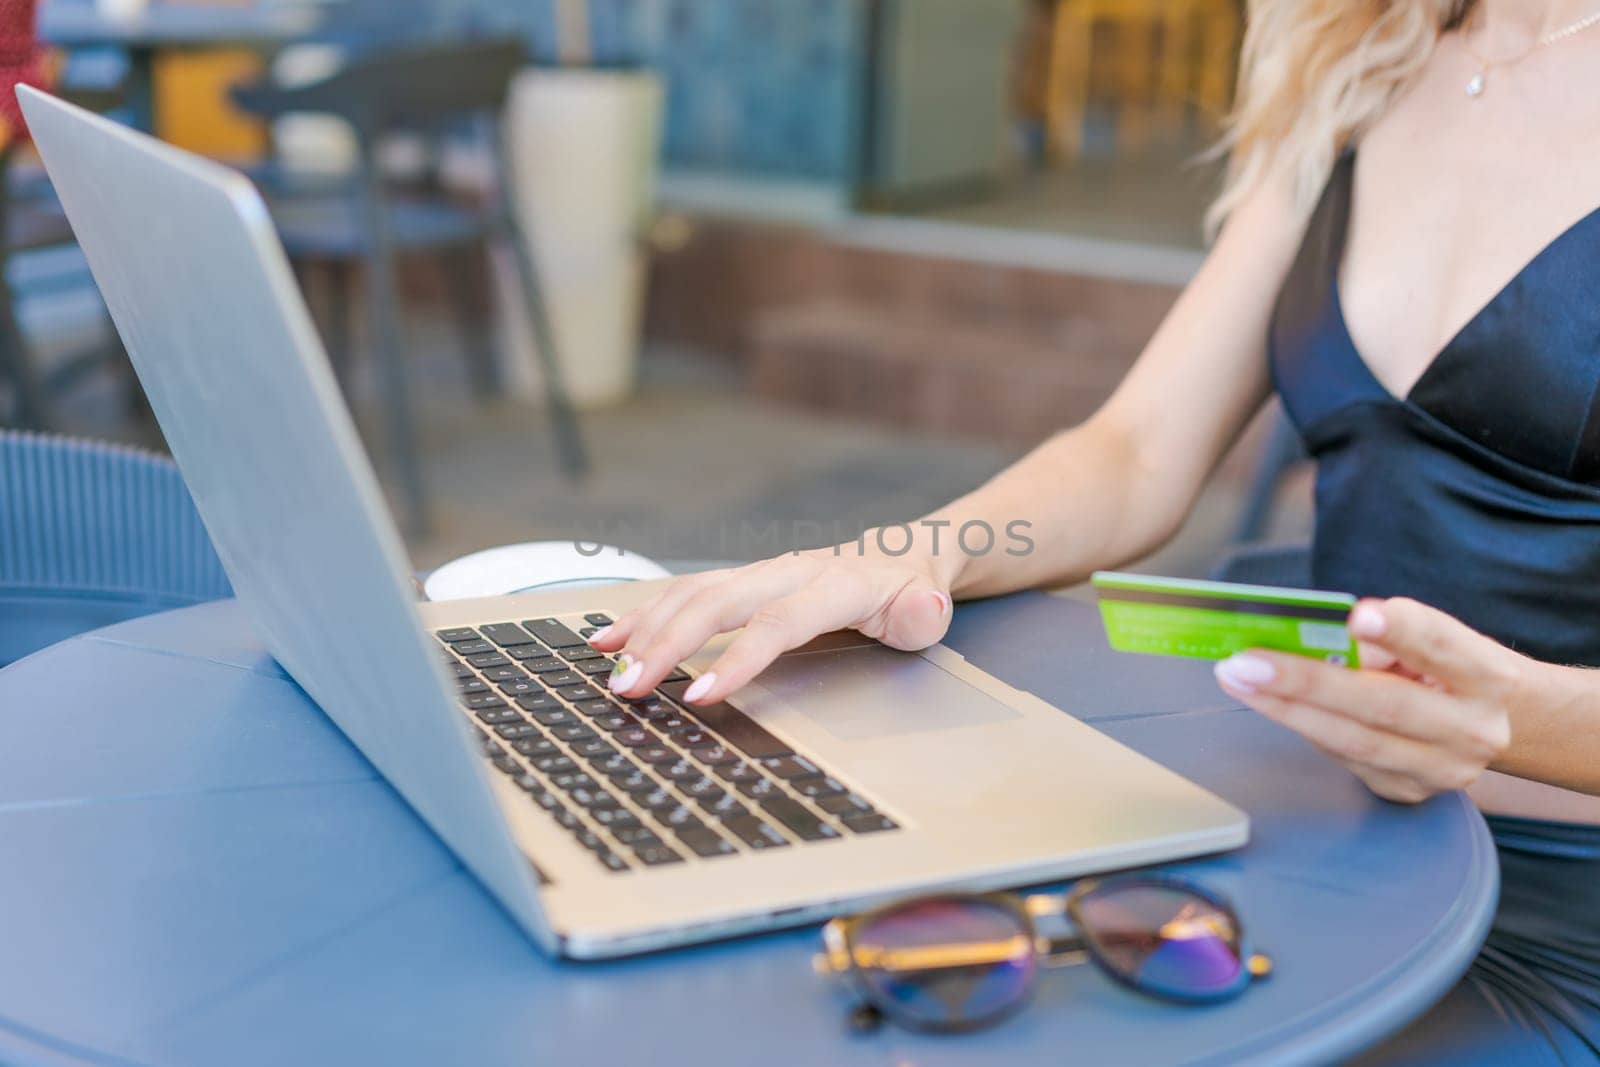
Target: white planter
(583,146)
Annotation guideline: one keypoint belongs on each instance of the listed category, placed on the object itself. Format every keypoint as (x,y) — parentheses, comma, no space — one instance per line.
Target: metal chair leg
(464,279)
(383,309)
(569,440)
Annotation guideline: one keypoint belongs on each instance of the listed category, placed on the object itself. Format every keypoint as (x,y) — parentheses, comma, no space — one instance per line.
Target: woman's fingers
(1431,643)
(1378,699)
(915,615)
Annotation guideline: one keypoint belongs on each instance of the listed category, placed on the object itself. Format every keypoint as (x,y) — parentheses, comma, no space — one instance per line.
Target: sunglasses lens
(946,963)
(1164,939)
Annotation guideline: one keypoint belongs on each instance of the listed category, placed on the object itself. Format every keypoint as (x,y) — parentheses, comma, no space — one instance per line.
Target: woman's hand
(781,603)
(1429,711)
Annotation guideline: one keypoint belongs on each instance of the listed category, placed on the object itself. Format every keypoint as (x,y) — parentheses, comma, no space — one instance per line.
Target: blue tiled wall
(765,86)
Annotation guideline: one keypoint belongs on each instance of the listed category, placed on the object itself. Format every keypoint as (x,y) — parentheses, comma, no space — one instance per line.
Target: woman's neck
(1498,27)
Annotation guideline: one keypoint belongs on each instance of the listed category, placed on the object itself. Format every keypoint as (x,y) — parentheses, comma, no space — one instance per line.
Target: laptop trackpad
(870,692)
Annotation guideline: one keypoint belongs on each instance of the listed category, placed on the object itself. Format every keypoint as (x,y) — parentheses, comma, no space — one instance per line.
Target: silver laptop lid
(185,255)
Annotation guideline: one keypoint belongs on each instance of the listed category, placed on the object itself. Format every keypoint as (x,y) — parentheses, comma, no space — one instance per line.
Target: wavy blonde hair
(1314,74)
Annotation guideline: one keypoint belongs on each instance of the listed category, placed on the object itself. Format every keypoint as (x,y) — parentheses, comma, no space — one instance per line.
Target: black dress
(1479,493)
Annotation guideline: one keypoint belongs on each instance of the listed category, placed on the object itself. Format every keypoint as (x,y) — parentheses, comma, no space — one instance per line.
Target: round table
(200,869)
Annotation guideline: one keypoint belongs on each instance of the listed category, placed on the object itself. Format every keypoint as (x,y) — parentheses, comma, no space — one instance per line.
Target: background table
(198,869)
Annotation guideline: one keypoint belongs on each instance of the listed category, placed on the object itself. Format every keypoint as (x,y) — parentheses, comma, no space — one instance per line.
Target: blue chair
(92,534)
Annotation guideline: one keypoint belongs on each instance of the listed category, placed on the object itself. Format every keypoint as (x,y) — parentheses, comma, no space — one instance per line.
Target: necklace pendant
(1479,82)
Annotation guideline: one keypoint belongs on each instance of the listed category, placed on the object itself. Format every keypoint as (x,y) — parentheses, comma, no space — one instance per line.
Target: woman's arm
(1111,490)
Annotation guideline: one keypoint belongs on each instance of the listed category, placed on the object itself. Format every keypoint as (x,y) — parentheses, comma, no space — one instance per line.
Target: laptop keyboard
(644,782)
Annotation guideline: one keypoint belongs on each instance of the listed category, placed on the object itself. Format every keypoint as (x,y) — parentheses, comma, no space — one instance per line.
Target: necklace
(1480,81)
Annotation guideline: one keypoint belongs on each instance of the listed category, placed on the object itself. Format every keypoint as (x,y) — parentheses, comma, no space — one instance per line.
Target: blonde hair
(1314,74)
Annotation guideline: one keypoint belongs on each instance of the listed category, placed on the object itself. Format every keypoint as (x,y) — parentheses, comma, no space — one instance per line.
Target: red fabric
(22,62)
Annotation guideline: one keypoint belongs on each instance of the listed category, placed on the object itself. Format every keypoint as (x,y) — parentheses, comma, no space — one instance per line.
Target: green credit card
(1213,620)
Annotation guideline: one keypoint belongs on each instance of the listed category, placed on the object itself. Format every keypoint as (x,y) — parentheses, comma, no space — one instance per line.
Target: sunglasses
(960,961)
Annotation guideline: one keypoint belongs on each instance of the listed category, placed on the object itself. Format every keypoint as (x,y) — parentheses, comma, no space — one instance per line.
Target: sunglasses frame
(839,956)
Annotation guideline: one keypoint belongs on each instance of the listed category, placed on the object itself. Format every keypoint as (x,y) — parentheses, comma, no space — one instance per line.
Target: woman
(1393,164)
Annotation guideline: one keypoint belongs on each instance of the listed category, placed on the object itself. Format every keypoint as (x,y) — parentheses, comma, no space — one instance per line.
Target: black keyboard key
(527,654)
(507,765)
(567,820)
(537,701)
(470,685)
(530,784)
(543,665)
(680,772)
(655,754)
(733,726)
(488,659)
(554,716)
(461,671)
(506,634)
(553,632)
(459,633)
(592,798)
(588,838)
(574,693)
(637,737)
(705,843)
(738,773)
(869,822)
(791,767)
(657,800)
(703,790)
(614,819)
(517,731)
(817,788)
(554,763)
(497,714)
(507,673)
(613,765)
(593,749)
(593,708)
(572,733)
(479,701)
(472,648)
(635,783)
(651,708)
(760,789)
(520,688)
(572,780)
(612,721)
(490,748)
(656,855)
(716,755)
(673,720)
(755,834)
(535,747)
(590,668)
(563,677)
(636,835)
(694,737)
(794,815)
(597,619)
(679,819)
(612,861)
(580,653)
(548,801)
(677,674)
(845,804)
(726,806)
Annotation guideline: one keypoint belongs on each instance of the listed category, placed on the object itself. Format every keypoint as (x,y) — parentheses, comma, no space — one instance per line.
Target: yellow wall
(193,109)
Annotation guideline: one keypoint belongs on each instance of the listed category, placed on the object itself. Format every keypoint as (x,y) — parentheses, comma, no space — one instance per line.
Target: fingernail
(625,673)
(1245,671)
(944,602)
(1368,621)
(598,634)
(702,685)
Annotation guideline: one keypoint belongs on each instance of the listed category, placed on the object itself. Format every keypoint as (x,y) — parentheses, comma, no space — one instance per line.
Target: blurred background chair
(91,534)
(425,92)
(1166,56)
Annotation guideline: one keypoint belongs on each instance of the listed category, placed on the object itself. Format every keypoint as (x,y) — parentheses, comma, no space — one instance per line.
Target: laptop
(848,774)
